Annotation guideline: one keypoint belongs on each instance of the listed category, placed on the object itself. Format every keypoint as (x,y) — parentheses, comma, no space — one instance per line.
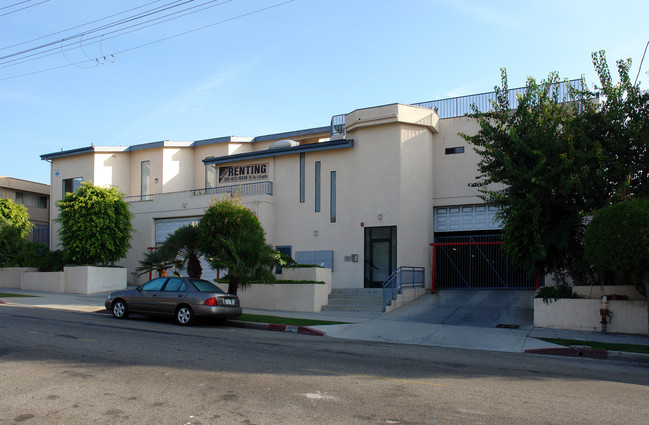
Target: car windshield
(205,286)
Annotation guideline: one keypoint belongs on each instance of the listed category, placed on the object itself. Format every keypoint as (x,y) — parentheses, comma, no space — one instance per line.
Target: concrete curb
(304,330)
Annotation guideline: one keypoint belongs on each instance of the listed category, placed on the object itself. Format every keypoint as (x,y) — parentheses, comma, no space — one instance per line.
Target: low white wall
(73,279)
(305,297)
(10,277)
(43,281)
(629,317)
(91,280)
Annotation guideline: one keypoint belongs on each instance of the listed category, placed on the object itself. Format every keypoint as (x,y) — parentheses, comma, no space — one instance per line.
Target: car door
(171,296)
(146,299)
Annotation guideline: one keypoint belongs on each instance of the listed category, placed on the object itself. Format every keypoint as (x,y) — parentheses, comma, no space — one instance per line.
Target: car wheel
(120,310)
(184,315)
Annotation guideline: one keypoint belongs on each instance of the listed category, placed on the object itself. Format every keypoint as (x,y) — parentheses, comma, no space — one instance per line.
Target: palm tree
(247,257)
(157,260)
(183,245)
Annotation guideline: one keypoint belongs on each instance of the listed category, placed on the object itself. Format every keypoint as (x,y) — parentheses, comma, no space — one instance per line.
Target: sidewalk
(398,326)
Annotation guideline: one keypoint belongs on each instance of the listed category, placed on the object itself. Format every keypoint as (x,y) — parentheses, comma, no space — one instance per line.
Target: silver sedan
(181,297)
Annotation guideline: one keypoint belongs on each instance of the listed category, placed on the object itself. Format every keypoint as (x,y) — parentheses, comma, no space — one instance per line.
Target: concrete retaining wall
(10,277)
(74,279)
(629,317)
(306,297)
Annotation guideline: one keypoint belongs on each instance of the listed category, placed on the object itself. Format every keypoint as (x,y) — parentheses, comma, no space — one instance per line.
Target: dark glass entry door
(380,254)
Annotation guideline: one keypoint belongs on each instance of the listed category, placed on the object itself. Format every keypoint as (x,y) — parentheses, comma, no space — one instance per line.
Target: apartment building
(36,198)
(364,195)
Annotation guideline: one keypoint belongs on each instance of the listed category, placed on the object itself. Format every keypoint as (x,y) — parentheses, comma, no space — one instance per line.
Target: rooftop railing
(459,106)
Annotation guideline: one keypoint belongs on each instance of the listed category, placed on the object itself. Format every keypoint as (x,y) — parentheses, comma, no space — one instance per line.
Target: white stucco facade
(390,163)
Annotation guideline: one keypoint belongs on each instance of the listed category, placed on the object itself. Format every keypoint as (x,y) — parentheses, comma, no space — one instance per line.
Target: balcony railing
(245,189)
(462,105)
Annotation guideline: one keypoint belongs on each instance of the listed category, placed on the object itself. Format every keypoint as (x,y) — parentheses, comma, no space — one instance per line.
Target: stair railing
(403,277)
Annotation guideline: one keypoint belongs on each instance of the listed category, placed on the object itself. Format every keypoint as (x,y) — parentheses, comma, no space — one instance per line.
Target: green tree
(95,225)
(232,237)
(183,244)
(11,243)
(624,224)
(550,162)
(617,240)
(16,215)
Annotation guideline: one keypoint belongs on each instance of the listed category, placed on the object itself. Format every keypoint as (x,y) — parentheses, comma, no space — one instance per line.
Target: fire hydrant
(605,313)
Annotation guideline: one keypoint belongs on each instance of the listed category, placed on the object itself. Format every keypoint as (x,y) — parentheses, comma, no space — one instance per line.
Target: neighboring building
(363,196)
(36,197)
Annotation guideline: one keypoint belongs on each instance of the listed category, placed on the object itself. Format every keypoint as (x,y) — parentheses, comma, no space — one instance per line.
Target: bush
(552,293)
(95,225)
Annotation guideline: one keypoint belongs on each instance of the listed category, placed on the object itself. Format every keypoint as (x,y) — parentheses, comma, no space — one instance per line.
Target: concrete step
(350,308)
(356,299)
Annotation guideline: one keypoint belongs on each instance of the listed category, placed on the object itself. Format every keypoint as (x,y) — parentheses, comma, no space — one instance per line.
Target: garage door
(165,227)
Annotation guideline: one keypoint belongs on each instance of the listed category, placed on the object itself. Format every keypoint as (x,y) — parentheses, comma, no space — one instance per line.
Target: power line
(152,42)
(106,26)
(15,4)
(78,26)
(23,8)
(119,32)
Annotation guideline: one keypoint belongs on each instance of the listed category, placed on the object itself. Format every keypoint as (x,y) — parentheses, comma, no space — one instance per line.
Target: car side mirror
(139,288)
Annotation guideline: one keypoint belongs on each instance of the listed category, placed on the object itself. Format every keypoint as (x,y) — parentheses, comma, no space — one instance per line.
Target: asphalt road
(77,368)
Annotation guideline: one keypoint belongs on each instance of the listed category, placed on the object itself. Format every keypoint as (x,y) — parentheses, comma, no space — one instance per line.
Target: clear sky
(268,66)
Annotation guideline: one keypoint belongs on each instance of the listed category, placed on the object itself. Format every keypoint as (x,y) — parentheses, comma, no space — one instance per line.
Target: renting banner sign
(243,173)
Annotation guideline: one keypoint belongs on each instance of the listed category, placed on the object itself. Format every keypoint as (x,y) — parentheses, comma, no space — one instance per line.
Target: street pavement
(464,320)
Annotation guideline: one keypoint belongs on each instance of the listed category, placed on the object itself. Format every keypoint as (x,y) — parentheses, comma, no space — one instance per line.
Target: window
(71,185)
(145,177)
(155,284)
(452,151)
(302,177)
(31,200)
(332,201)
(210,175)
(175,285)
(317,186)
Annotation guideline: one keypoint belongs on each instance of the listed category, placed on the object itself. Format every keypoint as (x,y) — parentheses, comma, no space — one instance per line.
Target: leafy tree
(624,224)
(183,243)
(11,243)
(157,260)
(231,237)
(16,215)
(617,240)
(95,225)
(549,163)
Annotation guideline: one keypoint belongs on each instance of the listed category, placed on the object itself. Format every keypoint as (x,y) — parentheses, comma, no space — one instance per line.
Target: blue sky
(285,68)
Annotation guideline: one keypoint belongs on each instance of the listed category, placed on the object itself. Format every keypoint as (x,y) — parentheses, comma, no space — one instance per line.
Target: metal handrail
(403,277)
(459,106)
(245,189)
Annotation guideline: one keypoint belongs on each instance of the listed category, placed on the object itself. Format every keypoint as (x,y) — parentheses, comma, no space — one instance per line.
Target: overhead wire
(153,42)
(77,26)
(22,8)
(4,63)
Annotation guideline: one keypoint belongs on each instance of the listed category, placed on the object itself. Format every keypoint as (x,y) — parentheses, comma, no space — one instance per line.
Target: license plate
(228,301)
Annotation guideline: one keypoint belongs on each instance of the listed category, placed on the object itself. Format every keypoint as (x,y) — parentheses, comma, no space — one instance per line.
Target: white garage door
(165,227)
(466,218)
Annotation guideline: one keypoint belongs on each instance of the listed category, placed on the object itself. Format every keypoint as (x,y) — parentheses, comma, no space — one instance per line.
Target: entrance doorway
(380,254)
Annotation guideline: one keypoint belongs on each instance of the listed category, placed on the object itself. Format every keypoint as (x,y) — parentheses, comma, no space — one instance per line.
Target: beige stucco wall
(394,175)
(112,170)
(66,168)
(454,173)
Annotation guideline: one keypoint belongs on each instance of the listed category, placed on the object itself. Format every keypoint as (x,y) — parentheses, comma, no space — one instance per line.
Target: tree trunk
(194,269)
(645,282)
(233,285)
